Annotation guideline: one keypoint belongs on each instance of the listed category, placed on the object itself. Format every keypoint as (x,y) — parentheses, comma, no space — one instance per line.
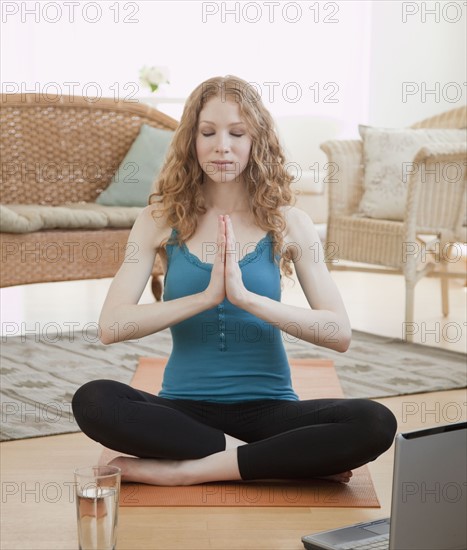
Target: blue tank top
(225,354)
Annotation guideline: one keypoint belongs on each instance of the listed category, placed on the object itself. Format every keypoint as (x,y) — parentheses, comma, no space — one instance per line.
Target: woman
(227,409)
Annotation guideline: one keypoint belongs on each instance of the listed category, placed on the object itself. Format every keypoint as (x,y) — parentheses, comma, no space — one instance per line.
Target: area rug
(312,379)
(41,372)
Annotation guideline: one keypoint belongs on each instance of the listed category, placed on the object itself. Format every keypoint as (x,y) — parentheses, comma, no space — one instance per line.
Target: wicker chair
(432,209)
(85,142)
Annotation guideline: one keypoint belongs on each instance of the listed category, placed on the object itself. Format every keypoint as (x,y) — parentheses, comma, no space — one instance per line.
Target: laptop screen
(429,499)
(429,504)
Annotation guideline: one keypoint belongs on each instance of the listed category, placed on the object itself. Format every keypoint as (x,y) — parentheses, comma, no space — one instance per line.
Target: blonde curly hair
(268,183)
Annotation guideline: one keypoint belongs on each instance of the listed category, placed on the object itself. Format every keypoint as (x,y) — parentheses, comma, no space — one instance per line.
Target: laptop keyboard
(376,543)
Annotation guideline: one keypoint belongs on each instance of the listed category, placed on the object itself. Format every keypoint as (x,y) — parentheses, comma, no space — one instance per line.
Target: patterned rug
(40,375)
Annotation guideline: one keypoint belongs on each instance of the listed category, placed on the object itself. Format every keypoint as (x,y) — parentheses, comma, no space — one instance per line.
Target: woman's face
(223,143)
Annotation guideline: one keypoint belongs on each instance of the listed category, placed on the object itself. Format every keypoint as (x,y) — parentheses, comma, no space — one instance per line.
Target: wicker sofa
(64,150)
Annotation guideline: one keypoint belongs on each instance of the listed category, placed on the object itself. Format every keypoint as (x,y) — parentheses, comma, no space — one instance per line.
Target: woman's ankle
(232,442)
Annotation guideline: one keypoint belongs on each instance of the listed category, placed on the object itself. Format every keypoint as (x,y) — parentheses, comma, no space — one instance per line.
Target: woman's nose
(222,144)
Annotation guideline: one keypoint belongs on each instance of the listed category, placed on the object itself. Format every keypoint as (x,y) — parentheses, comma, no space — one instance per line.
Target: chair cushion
(132,182)
(27,218)
(385,150)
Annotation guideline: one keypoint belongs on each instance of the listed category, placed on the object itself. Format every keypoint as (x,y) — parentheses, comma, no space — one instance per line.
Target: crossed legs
(182,442)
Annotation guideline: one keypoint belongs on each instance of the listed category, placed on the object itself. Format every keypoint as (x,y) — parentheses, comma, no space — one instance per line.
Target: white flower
(153,77)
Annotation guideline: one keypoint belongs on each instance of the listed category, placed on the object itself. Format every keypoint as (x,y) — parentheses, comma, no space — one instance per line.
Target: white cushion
(386,152)
(27,218)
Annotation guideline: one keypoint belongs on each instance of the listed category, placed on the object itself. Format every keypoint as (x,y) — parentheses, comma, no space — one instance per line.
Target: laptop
(429,504)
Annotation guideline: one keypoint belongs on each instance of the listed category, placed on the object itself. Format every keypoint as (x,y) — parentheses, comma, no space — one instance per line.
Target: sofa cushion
(385,150)
(132,183)
(27,218)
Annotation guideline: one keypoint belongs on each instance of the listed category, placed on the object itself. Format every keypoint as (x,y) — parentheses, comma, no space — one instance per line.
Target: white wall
(421,44)
(360,50)
(322,44)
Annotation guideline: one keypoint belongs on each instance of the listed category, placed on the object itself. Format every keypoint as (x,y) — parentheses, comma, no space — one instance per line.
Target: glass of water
(97,491)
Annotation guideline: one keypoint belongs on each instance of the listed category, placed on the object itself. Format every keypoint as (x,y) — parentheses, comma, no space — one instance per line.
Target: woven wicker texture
(455,118)
(435,205)
(58,149)
(55,255)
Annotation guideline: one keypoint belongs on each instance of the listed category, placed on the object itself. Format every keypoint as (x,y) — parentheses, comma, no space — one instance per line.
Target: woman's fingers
(234,288)
(221,239)
(220,256)
(225,237)
(230,237)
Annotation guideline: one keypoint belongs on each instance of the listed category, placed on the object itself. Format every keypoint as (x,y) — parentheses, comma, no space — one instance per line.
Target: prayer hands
(226,276)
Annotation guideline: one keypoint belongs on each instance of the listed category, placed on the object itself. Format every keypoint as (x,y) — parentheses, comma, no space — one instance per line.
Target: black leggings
(285,439)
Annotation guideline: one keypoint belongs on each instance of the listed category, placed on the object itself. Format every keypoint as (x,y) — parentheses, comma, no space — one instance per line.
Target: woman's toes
(343,477)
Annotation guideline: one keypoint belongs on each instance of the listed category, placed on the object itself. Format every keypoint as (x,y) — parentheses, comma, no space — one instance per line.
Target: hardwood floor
(38,509)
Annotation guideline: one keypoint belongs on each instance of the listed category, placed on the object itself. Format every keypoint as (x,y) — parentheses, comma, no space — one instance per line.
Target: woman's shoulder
(152,219)
(296,219)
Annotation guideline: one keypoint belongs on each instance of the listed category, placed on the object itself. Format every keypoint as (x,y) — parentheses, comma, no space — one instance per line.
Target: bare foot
(344,477)
(219,466)
(153,471)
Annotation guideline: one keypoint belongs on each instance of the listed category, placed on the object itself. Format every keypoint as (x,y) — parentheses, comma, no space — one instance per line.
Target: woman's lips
(222,164)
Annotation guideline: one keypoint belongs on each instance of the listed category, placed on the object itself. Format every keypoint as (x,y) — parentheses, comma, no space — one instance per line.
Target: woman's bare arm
(326,323)
(122,318)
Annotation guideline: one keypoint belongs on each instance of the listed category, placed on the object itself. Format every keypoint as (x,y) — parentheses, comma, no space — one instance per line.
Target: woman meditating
(225,228)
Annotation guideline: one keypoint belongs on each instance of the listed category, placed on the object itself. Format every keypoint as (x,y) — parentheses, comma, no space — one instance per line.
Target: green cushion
(132,182)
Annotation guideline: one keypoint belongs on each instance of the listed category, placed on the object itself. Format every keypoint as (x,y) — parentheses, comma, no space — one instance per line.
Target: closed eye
(235,135)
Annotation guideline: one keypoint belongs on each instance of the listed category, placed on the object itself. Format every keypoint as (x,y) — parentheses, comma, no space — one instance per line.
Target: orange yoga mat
(312,379)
